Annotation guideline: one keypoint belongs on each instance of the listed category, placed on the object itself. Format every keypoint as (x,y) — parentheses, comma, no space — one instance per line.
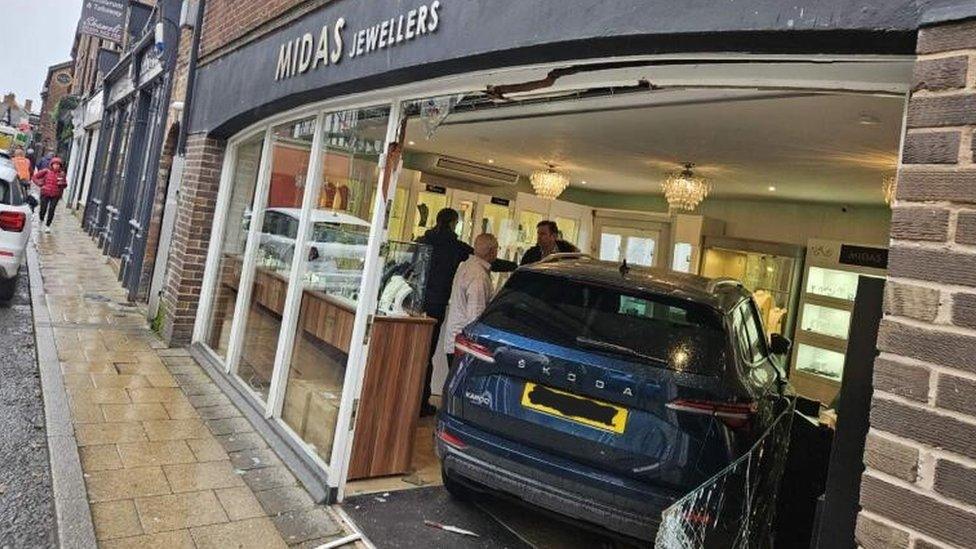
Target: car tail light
(13,221)
(733,414)
(464,345)
(451,440)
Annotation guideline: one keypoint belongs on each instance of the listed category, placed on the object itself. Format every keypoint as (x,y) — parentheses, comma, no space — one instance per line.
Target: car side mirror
(779,345)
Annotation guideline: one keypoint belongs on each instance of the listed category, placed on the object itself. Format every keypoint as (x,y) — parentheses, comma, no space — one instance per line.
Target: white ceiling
(812,147)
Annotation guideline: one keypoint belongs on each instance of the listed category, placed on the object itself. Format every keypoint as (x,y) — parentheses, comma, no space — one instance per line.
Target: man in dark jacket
(447,253)
(547,242)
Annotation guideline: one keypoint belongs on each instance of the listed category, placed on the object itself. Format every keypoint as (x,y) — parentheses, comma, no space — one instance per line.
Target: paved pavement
(26,503)
(168,460)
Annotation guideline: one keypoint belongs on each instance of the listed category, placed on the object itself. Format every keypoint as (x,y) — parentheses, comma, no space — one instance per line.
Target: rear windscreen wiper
(614,348)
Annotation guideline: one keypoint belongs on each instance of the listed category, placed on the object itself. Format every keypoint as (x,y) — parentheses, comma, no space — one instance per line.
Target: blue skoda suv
(604,393)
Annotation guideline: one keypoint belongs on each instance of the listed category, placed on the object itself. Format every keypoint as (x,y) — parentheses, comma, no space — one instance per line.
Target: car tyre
(8,286)
(457,490)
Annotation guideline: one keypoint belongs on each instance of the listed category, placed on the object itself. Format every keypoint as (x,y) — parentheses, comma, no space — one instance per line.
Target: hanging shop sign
(500,201)
(310,53)
(436,189)
(103,18)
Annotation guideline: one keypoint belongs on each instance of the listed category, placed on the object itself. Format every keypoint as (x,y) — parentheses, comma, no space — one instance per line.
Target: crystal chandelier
(684,191)
(549,183)
(889,184)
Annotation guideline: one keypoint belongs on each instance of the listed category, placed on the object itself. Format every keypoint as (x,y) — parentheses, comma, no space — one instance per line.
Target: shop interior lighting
(684,191)
(772,189)
(889,184)
(549,183)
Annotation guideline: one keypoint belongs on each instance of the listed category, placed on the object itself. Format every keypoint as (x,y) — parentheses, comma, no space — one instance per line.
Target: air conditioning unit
(473,171)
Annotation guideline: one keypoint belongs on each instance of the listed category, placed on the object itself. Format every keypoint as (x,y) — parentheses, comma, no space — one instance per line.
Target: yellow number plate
(575,408)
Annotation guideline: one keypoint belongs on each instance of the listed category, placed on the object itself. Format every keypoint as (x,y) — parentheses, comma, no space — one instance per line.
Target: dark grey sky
(36,34)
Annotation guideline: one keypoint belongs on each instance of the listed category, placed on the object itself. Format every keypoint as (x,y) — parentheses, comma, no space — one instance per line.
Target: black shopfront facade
(359,61)
(136,98)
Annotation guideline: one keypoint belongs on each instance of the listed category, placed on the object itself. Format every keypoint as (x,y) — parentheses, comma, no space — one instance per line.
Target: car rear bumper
(10,266)
(481,465)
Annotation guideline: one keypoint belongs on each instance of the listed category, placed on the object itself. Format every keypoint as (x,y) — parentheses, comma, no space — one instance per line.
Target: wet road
(26,501)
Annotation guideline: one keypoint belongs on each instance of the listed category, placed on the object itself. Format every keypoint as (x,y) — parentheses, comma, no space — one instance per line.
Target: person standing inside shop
(547,242)
(447,253)
(52,182)
(470,291)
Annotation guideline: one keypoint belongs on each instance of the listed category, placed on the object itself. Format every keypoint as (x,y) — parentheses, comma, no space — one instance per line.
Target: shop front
(119,196)
(324,149)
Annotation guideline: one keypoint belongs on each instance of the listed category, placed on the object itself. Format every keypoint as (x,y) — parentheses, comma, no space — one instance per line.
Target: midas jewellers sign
(308,53)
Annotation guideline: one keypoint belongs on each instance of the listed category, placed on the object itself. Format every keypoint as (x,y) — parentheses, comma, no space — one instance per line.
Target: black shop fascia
(308,53)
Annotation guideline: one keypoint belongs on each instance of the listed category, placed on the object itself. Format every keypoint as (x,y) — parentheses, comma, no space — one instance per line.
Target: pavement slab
(149,431)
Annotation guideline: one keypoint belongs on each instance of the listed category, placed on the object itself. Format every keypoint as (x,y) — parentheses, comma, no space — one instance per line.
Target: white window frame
(396,97)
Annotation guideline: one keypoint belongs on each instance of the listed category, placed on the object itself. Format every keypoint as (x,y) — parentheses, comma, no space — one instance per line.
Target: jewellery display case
(829,290)
(403,287)
(770,270)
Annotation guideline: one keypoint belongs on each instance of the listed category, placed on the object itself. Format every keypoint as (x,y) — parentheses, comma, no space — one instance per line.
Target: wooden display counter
(389,404)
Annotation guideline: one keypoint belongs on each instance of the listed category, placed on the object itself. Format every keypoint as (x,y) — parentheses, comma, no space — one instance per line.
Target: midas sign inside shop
(308,53)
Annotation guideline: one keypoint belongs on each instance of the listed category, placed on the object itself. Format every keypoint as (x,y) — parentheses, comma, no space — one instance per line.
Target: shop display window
(465,225)
(826,321)
(244,181)
(568,229)
(291,150)
(527,222)
(769,277)
(398,213)
(681,258)
(333,258)
(832,283)
(820,362)
(428,204)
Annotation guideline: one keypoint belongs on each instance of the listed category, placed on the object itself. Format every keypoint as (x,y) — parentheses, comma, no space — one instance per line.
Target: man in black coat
(447,253)
(547,243)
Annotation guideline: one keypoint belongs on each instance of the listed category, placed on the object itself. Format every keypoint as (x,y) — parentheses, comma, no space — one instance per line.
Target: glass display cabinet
(829,290)
(403,287)
(770,270)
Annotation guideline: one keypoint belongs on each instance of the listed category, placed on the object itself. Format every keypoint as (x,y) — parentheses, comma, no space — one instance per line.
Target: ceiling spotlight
(491,160)
(582,182)
(410,143)
(772,188)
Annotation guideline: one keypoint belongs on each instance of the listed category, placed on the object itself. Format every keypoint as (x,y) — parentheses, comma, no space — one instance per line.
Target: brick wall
(228,24)
(191,237)
(919,487)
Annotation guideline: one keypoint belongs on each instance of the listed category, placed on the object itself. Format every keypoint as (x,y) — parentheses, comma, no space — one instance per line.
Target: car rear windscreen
(10,194)
(653,329)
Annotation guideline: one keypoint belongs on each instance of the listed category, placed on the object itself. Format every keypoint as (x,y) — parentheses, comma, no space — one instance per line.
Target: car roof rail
(724,281)
(563,256)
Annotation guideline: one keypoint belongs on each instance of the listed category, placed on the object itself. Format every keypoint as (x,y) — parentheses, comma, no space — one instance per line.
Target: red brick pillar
(191,237)
(919,486)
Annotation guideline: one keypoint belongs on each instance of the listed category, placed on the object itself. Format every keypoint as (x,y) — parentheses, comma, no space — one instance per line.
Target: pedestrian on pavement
(45,161)
(24,169)
(547,243)
(471,290)
(447,253)
(52,181)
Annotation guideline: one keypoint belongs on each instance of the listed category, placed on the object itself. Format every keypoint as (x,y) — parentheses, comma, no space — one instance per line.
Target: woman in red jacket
(52,182)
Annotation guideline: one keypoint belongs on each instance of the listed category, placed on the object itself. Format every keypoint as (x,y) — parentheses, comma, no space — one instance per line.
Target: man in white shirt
(471,290)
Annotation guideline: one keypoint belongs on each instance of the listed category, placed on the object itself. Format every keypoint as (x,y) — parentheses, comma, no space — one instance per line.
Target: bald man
(471,290)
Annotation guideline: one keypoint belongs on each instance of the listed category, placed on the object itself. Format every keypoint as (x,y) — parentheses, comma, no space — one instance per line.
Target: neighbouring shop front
(342,134)
(125,148)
